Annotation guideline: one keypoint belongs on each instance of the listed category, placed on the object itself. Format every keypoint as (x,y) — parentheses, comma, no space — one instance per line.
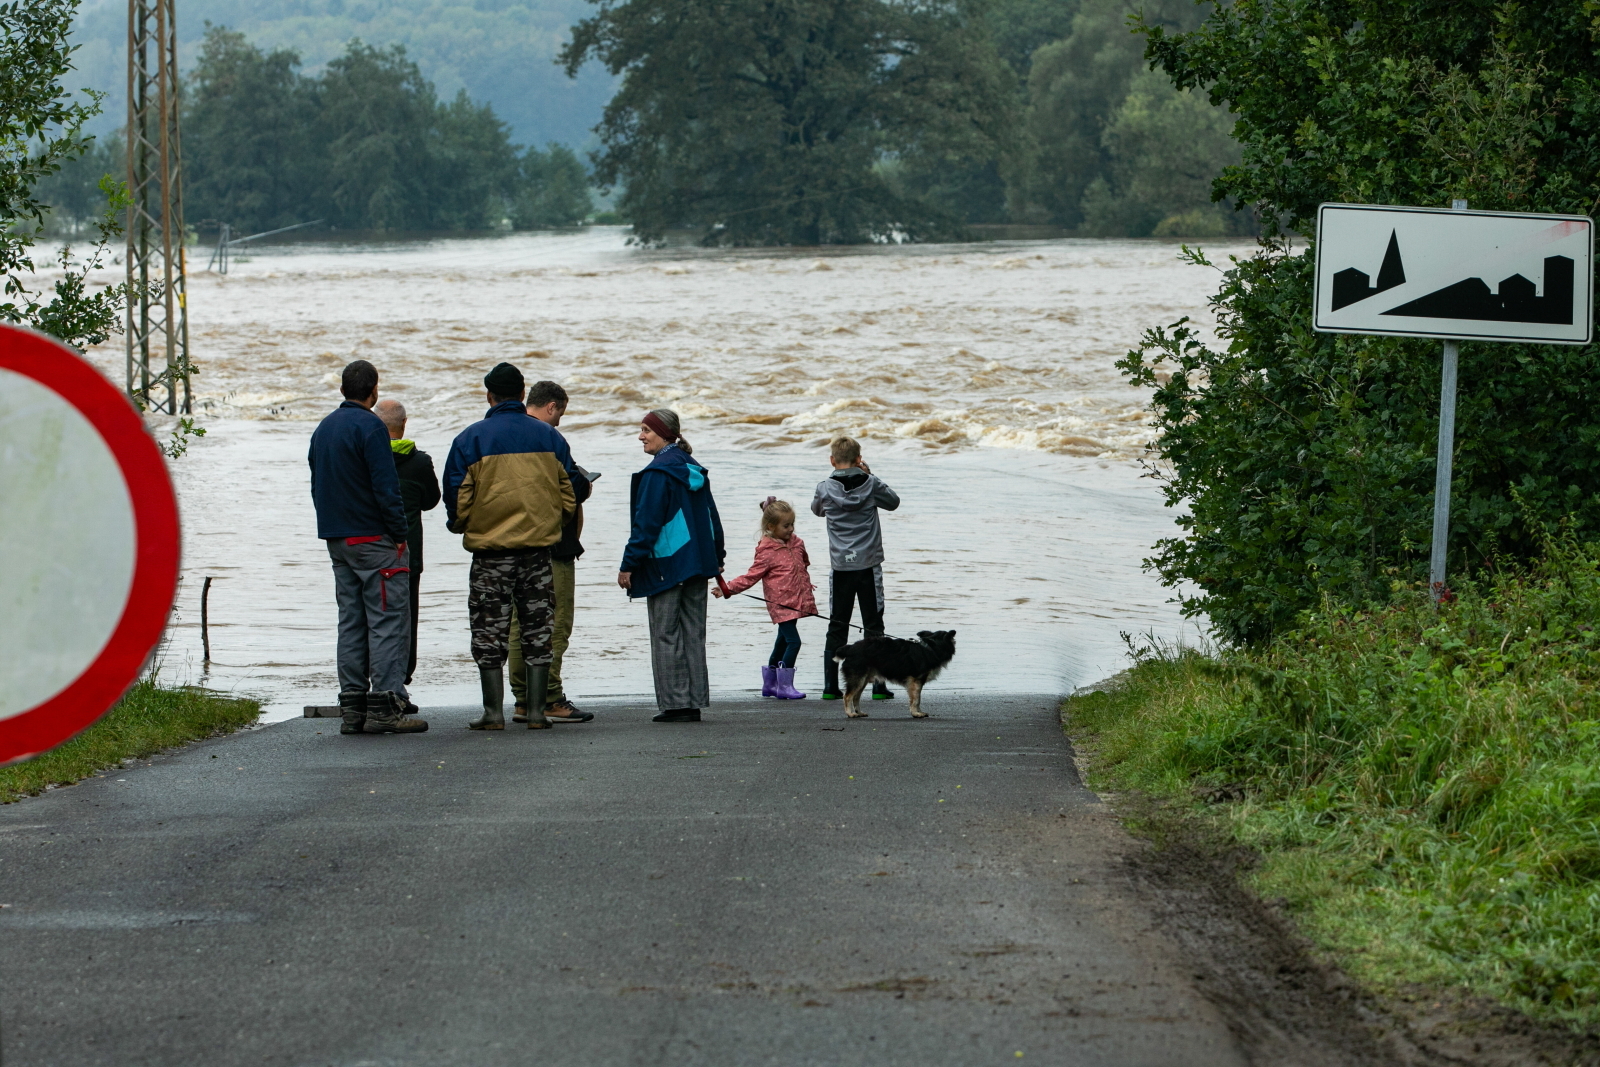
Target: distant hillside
(500,51)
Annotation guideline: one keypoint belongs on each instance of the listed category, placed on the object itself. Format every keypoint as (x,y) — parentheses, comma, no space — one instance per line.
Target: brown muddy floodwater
(979,377)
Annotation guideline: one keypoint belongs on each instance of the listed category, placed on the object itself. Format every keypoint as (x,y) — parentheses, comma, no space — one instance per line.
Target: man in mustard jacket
(507,492)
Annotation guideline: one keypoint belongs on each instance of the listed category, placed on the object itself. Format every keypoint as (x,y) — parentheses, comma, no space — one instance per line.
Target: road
(776,885)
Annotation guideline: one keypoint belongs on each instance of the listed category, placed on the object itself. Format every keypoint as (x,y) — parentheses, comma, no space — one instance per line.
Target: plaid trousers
(678,646)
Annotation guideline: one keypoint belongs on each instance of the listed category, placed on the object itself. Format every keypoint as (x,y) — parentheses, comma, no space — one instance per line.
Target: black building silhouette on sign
(1515,302)
(1350,285)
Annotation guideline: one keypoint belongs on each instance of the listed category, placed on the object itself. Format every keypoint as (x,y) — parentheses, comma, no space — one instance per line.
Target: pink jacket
(780,567)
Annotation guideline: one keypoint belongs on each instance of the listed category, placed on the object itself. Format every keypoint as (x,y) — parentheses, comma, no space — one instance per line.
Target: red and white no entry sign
(89,540)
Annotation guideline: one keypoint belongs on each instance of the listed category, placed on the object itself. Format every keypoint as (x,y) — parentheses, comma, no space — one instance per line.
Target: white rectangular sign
(1470,275)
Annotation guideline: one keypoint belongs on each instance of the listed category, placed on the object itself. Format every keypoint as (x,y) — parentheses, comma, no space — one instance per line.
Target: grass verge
(146,720)
(1423,785)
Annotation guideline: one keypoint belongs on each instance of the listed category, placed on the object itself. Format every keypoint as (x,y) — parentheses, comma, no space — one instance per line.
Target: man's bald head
(393,414)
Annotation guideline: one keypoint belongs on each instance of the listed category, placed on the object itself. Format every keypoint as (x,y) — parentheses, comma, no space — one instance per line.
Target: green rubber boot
(493,681)
(538,678)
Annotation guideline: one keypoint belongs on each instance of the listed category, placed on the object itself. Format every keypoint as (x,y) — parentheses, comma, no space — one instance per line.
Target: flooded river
(979,378)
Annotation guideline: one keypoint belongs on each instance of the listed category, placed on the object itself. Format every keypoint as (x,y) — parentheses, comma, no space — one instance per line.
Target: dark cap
(504,381)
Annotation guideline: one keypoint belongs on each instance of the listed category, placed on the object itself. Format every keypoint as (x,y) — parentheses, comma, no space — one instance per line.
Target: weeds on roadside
(1423,783)
(146,720)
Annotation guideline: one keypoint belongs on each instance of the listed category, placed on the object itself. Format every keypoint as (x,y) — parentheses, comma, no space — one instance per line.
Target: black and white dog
(912,664)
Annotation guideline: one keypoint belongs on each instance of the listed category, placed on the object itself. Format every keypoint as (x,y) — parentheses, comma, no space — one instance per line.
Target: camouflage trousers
(501,585)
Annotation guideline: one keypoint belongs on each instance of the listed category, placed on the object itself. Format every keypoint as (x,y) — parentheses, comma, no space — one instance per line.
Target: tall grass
(1424,783)
(146,720)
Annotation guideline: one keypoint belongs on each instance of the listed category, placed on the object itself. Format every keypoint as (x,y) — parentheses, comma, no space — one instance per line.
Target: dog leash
(810,614)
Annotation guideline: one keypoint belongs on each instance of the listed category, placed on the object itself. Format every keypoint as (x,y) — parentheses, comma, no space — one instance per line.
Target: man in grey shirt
(849,500)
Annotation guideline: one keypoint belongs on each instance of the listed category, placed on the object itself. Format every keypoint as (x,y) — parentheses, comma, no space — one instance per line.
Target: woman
(675,548)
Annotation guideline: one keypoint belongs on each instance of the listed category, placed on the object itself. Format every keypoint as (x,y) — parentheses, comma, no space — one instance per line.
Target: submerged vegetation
(1424,784)
(145,721)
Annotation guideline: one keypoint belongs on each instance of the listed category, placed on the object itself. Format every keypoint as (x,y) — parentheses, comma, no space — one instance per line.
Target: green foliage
(763,124)
(77,202)
(1022,27)
(555,189)
(1116,150)
(147,720)
(1422,781)
(1305,461)
(365,145)
(1164,147)
(245,123)
(40,130)
(499,51)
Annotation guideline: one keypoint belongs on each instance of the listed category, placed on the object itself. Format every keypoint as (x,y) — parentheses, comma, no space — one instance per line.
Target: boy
(849,499)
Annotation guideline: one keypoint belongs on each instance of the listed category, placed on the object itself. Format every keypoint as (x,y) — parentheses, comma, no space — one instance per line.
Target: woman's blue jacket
(677,533)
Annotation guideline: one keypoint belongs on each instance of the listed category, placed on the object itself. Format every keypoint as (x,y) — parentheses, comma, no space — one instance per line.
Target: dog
(912,664)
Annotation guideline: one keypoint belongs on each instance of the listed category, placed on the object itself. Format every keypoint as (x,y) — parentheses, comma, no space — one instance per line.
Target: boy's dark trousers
(416,614)
(845,588)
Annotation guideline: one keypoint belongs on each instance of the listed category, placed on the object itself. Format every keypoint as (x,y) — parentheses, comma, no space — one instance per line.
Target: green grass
(144,722)
(1423,786)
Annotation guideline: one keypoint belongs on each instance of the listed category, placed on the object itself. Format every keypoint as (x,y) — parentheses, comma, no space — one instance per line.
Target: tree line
(366,144)
(824,121)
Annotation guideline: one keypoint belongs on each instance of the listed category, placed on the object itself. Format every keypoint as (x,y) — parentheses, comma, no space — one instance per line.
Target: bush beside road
(1421,785)
(146,721)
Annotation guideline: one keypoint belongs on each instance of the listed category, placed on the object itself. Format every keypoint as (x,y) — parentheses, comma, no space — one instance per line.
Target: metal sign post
(1434,268)
(1442,471)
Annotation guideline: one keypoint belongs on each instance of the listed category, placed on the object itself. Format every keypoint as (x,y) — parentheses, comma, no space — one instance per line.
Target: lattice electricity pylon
(158,321)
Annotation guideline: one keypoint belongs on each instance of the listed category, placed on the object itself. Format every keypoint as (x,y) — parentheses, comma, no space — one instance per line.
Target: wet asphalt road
(775,885)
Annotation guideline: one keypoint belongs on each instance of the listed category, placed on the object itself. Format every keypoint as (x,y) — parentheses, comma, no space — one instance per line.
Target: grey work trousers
(678,646)
(372,585)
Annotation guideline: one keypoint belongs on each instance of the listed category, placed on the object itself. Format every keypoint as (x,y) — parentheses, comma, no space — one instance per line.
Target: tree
(1304,461)
(1164,147)
(365,145)
(1075,87)
(473,165)
(374,119)
(247,158)
(554,190)
(40,128)
(757,122)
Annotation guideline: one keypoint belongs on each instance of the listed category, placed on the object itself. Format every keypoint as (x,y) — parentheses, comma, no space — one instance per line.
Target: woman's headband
(658,426)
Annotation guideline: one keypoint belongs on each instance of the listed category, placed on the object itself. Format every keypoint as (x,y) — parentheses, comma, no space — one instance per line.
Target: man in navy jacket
(361,517)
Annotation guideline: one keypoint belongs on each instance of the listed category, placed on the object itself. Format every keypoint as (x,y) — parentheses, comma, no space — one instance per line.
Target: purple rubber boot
(785,689)
(769,681)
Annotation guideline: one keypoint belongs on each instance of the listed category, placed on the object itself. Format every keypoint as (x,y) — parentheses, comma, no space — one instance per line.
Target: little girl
(780,566)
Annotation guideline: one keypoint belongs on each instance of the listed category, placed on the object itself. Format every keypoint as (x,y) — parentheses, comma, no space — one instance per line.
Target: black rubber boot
(353,703)
(830,676)
(493,681)
(538,678)
(386,714)
(880,691)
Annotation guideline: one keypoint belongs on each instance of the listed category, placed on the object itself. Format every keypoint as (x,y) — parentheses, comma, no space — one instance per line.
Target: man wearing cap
(508,493)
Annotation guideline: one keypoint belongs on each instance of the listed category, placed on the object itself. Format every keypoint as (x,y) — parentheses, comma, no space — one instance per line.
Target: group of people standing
(513,492)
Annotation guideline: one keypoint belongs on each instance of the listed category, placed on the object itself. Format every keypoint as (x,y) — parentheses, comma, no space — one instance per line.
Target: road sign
(89,535)
(1467,275)
(1432,278)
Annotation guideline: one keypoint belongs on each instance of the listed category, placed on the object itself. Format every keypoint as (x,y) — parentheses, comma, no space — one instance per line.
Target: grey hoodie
(849,499)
